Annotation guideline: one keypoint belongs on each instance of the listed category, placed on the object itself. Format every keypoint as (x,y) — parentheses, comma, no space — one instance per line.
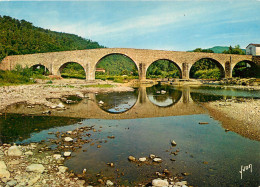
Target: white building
(253,49)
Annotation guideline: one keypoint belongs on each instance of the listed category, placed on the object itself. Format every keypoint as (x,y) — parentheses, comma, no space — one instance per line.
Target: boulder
(4,173)
(160,182)
(14,151)
(36,168)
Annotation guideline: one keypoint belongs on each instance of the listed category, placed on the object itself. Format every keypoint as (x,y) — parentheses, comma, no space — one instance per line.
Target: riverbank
(238,115)
(39,93)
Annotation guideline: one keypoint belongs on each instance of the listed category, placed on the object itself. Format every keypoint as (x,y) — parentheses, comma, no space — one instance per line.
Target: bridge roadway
(143,58)
(143,108)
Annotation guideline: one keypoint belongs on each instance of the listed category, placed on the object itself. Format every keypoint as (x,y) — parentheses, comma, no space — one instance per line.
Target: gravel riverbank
(238,115)
(38,93)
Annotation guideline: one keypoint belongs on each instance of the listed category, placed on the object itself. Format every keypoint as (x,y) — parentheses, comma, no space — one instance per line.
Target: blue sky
(167,25)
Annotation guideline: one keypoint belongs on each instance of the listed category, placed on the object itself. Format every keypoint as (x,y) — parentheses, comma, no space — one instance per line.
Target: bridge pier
(228,69)
(185,71)
(142,72)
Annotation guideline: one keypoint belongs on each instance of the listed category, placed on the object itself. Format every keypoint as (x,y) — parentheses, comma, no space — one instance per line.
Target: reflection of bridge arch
(109,98)
(175,98)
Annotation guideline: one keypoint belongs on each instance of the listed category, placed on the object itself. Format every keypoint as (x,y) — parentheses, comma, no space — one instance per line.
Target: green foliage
(117,64)
(203,50)
(21,37)
(20,76)
(208,74)
(73,70)
(235,50)
(244,69)
(202,64)
(163,69)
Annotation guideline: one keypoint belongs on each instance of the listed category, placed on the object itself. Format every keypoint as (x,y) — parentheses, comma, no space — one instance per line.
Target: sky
(143,24)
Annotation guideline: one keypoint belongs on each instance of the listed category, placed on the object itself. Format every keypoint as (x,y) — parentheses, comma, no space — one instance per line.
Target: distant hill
(220,49)
(21,37)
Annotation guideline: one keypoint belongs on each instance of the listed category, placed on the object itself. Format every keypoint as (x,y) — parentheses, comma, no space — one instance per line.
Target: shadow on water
(212,156)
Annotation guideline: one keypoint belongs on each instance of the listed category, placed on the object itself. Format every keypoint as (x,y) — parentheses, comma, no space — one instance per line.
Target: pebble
(159,182)
(109,183)
(68,139)
(142,159)
(157,160)
(37,168)
(14,151)
(67,154)
(173,143)
(131,158)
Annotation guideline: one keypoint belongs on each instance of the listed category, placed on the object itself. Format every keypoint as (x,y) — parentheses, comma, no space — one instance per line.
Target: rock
(36,168)
(4,173)
(60,105)
(33,180)
(57,156)
(157,160)
(143,159)
(131,158)
(14,151)
(163,92)
(2,165)
(66,154)
(14,162)
(68,139)
(81,183)
(12,183)
(160,182)
(101,102)
(181,183)
(203,123)
(173,143)
(152,156)
(185,174)
(28,153)
(109,183)
(62,169)
(69,132)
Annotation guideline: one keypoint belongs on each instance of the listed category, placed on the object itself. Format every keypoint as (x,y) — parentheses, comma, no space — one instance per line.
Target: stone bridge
(143,58)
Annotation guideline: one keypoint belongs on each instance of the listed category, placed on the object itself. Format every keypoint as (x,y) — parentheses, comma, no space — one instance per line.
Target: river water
(144,122)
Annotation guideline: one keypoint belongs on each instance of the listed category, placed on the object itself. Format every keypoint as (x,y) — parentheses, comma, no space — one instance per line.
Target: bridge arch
(244,68)
(170,62)
(205,62)
(118,54)
(42,69)
(64,65)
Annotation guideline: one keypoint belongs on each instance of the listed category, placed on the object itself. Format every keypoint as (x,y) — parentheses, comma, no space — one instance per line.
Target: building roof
(256,45)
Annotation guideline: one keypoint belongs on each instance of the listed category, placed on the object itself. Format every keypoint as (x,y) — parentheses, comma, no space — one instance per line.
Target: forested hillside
(21,37)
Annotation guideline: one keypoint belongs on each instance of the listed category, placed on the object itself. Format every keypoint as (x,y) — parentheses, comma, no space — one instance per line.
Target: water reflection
(117,102)
(163,96)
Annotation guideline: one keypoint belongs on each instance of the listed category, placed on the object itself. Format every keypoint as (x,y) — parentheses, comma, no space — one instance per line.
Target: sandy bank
(240,116)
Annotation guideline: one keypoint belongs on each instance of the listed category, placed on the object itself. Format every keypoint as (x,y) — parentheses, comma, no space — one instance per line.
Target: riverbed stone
(12,183)
(29,153)
(67,154)
(131,158)
(2,165)
(142,159)
(173,143)
(109,183)
(36,168)
(158,160)
(159,182)
(4,173)
(62,169)
(57,156)
(68,139)
(14,151)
